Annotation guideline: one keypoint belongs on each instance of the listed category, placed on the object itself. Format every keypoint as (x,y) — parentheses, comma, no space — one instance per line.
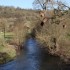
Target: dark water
(34,58)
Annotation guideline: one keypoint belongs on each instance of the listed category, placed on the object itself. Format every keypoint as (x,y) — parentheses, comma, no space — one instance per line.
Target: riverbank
(56,36)
(16,24)
(7,53)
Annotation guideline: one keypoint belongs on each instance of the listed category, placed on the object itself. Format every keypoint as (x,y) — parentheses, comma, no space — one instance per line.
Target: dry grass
(53,30)
(18,24)
(21,23)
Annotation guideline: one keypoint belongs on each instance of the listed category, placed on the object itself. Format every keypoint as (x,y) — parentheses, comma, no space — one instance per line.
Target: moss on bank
(7,53)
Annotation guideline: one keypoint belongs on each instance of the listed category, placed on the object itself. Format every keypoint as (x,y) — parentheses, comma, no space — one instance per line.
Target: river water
(34,58)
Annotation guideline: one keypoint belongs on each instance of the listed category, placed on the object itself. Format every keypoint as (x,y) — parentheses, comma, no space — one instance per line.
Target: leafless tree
(43,4)
(56,6)
(49,4)
(62,5)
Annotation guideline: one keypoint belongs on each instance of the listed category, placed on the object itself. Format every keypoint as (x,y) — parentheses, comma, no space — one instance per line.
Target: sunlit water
(34,58)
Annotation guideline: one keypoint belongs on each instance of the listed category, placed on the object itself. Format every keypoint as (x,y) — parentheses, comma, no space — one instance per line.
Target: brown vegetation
(15,25)
(52,32)
(55,35)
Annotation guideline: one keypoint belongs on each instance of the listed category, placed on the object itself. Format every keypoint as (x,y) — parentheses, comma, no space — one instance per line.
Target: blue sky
(23,3)
(17,3)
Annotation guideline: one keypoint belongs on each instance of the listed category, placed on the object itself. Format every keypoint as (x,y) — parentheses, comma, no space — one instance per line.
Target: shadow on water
(34,58)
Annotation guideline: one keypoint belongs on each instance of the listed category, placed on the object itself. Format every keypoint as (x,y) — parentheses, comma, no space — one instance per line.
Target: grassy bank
(15,25)
(56,35)
(19,23)
(7,52)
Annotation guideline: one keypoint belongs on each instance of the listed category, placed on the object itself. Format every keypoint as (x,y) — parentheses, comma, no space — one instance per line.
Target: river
(34,58)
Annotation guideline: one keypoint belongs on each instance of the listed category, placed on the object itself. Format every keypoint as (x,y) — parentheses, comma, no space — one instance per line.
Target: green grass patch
(8,36)
(9,55)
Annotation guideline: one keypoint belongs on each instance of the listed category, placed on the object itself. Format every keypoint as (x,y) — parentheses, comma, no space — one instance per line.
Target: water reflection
(8,66)
(31,60)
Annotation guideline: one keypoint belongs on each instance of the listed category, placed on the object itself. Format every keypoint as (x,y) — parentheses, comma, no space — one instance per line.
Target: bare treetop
(43,4)
(48,4)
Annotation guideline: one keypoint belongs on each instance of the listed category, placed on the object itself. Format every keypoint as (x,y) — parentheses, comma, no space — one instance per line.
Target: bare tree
(56,6)
(62,5)
(43,4)
(49,4)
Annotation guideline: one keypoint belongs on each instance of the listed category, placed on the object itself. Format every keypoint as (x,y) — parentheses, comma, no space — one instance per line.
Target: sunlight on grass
(7,34)
(5,47)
